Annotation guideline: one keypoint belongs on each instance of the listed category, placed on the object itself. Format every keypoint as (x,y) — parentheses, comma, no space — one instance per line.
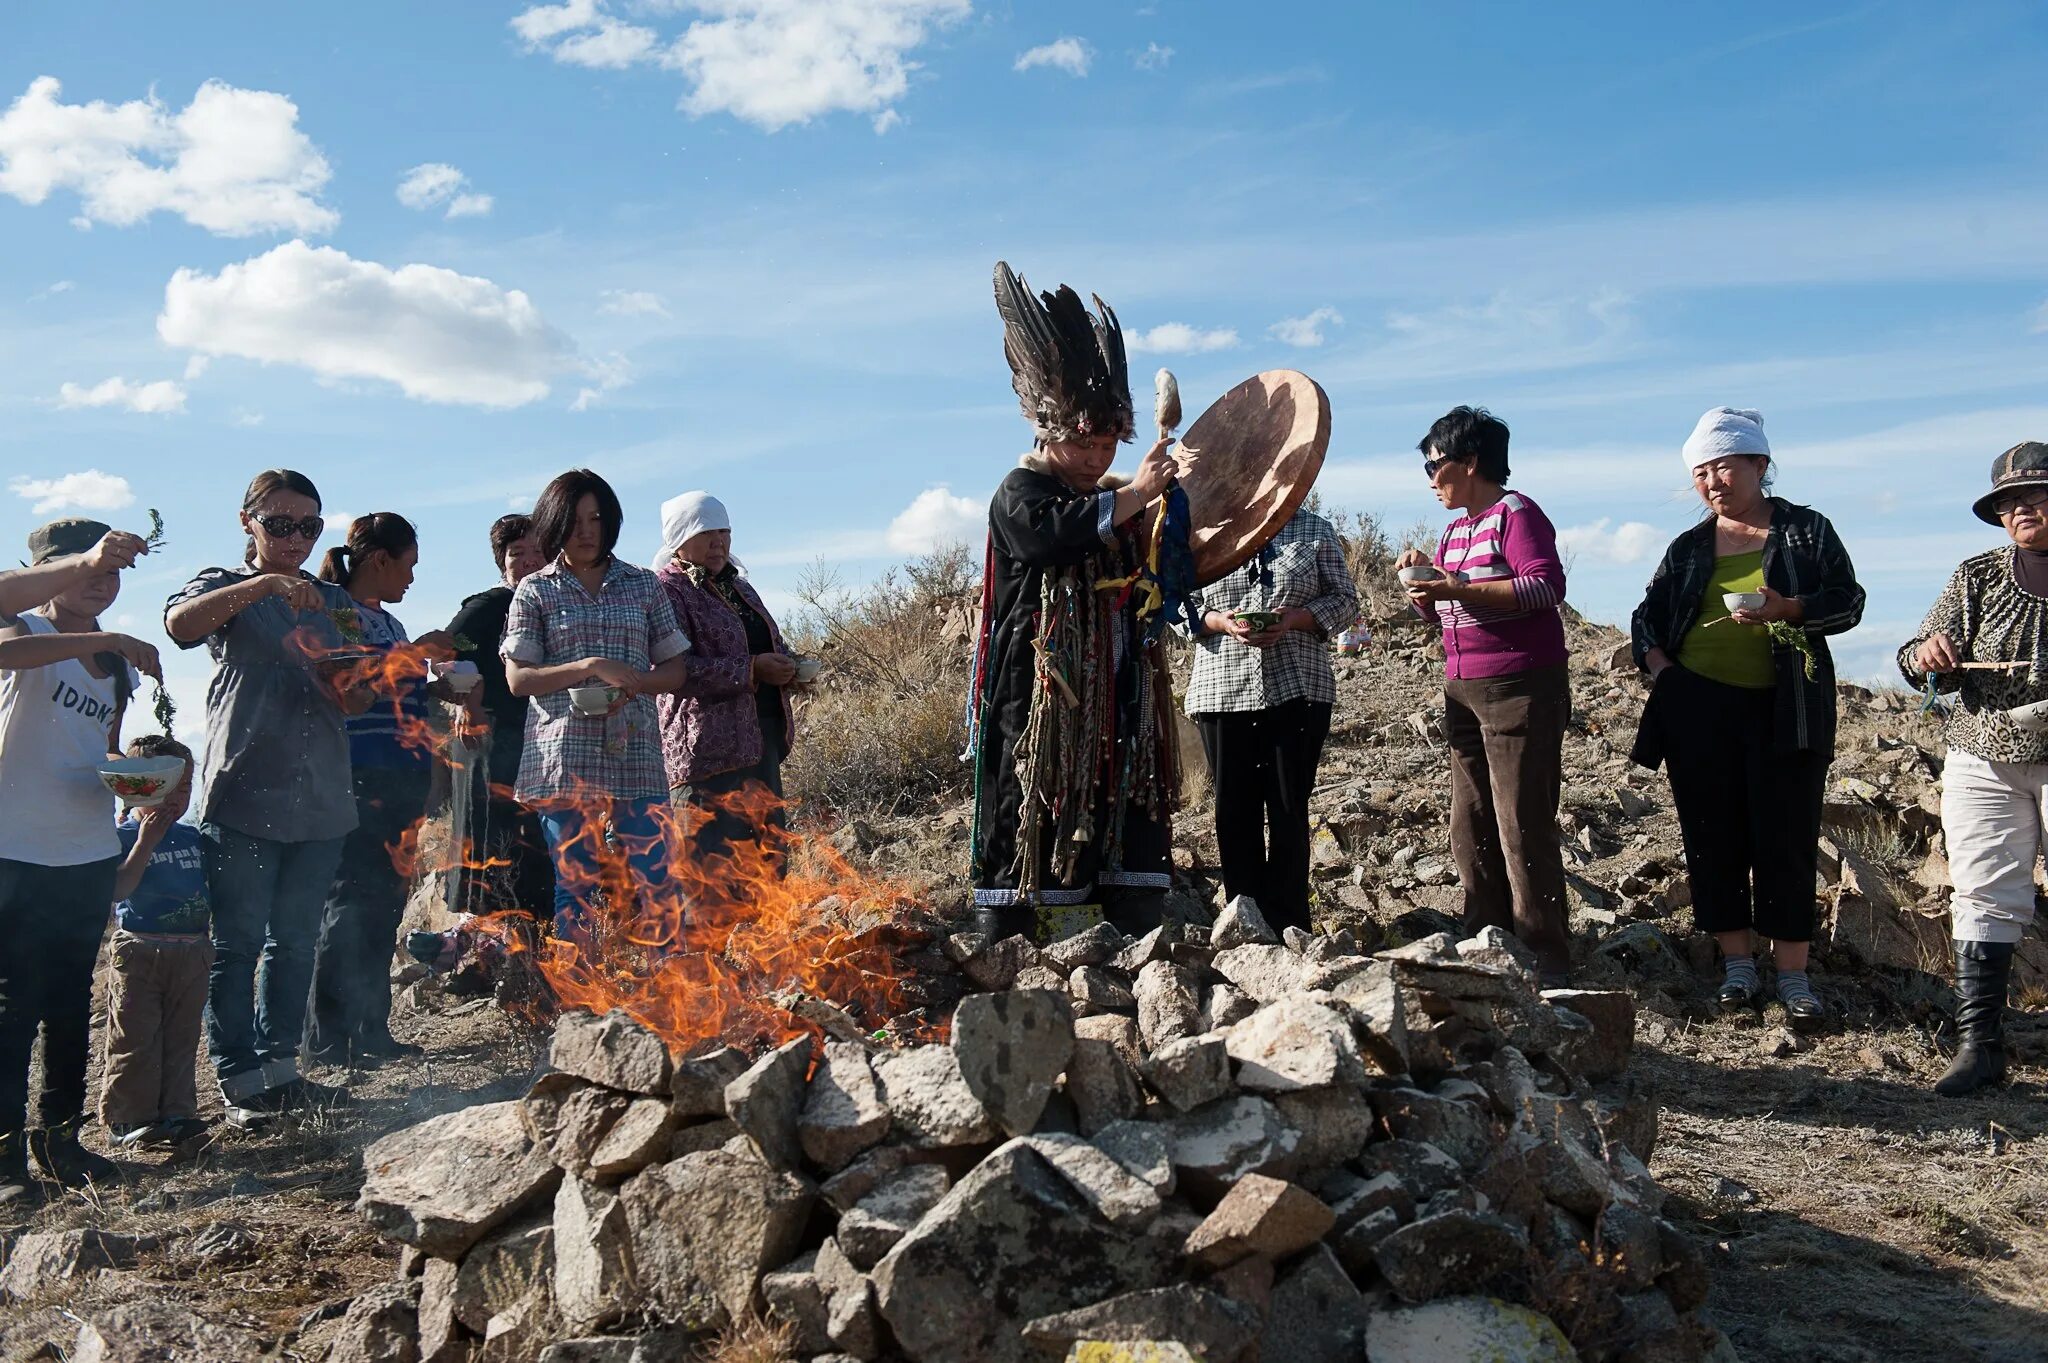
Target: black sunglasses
(283,527)
(1430,466)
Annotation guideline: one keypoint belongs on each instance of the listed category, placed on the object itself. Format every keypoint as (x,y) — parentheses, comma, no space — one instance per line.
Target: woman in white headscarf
(727,729)
(1733,632)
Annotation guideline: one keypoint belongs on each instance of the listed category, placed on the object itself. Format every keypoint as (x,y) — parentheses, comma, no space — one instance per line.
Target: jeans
(156,1001)
(1263,763)
(1506,736)
(51,921)
(266,918)
(351,1003)
(634,861)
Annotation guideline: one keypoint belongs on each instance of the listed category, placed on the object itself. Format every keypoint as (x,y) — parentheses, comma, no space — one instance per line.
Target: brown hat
(72,535)
(2024,465)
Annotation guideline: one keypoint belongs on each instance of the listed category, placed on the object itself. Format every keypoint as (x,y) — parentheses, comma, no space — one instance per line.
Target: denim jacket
(1803,558)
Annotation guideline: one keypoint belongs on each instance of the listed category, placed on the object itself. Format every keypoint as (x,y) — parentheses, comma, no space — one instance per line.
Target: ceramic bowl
(1260,621)
(1742,601)
(593,700)
(141,782)
(807,670)
(2033,718)
(1420,572)
(462,678)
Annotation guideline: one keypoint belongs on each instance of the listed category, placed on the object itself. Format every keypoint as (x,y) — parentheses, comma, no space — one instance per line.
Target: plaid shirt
(554,620)
(1303,565)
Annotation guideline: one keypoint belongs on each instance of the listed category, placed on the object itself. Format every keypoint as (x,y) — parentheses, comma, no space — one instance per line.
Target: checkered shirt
(1303,565)
(554,620)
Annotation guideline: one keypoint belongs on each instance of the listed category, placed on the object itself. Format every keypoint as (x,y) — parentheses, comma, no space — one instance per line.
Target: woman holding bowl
(727,729)
(1494,586)
(1733,631)
(590,640)
(277,803)
(1994,780)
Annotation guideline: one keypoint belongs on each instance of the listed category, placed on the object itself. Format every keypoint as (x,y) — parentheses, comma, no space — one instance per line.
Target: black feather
(1068,367)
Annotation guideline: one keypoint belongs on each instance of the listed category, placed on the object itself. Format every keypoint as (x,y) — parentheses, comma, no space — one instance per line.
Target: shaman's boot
(1983,974)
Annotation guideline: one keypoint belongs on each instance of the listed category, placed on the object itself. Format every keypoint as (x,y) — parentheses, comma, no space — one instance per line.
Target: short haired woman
(277,803)
(1742,701)
(508,867)
(1994,783)
(726,730)
(1507,697)
(589,618)
(391,759)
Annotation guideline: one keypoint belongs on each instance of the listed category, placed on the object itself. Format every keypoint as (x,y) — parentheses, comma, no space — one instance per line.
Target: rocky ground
(1844,1212)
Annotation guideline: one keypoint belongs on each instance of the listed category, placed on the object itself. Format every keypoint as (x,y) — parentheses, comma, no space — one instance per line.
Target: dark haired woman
(590,619)
(1506,694)
(1742,702)
(391,758)
(1994,776)
(510,869)
(727,729)
(276,799)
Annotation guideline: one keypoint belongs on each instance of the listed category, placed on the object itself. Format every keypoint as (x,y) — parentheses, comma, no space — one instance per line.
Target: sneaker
(249,1118)
(135,1135)
(186,1130)
(63,1160)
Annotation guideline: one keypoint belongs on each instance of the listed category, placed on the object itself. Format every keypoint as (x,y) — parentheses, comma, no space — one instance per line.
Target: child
(162,955)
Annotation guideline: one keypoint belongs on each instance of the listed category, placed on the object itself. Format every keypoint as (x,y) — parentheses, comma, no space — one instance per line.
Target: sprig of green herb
(1793,637)
(166,712)
(155,540)
(463,643)
(347,624)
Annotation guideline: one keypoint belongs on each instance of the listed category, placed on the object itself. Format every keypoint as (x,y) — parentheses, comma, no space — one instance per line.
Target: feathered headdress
(1067,365)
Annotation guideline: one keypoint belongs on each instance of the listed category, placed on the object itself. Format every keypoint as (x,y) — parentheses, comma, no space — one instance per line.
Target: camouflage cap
(72,535)
(2024,465)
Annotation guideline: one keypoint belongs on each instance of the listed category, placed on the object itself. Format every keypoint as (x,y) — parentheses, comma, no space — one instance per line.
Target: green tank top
(1715,646)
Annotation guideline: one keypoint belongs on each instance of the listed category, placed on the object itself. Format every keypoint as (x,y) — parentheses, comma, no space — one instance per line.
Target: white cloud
(245,418)
(1070,55)
(196,366)
(1178,338)
(766,62)
(1602,542)
(159,398)
(61,286)
(632,303)
(1153,58)
(87,491)
(437,184)
(440,336)
(608,375)
(232,161)
(1305,331)
(936,517)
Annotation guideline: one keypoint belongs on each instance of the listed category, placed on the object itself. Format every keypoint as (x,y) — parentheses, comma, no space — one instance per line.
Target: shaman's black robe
(1041,529)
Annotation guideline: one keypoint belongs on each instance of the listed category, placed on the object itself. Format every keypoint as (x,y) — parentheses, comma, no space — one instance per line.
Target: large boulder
(1295,1044)
(1212,1327)
(616,1050)
(843,1112)
(930,1101)
(45,1258)
(706,1227)
(766,1101)
(1011,1048)
(1259,1215)
(595,1282)
(443,1185)
(1012,1242)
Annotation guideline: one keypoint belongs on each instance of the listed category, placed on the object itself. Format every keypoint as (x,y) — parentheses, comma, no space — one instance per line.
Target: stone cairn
(1208,1145)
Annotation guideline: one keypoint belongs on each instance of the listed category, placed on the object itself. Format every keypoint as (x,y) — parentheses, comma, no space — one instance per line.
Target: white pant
(1992,815)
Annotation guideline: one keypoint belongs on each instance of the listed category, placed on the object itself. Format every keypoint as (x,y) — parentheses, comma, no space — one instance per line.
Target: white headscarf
(684,516)
(1722,432)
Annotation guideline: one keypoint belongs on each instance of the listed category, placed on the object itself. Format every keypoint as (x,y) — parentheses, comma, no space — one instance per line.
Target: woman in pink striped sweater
(1506,695)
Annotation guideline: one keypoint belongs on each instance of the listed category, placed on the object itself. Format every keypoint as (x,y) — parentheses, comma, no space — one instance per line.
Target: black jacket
(1803,558)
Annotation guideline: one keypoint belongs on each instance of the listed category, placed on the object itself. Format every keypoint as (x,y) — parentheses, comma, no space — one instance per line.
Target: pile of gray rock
(1196,1144)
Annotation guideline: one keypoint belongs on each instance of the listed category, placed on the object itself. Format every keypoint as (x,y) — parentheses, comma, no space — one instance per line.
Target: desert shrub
(883,730)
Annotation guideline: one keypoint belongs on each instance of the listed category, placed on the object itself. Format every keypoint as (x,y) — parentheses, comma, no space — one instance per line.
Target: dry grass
(753,1340)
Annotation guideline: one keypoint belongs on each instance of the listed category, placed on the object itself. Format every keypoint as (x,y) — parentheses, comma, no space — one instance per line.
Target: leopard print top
(1991,619)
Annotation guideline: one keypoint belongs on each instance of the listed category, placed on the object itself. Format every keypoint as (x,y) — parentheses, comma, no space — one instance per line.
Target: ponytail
(384,532)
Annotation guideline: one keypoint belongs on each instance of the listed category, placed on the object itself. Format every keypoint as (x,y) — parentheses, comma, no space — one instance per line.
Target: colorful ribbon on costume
(1165,580)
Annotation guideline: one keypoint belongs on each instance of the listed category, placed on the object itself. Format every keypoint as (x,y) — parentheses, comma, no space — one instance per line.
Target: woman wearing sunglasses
(1496,592)
(1733,632)
(1995,779)
(277,800)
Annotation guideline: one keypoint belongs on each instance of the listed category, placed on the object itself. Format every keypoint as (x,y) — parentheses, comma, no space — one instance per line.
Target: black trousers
(51,922)
(1263,764)
(351,994)
(1749,813)
(510,869)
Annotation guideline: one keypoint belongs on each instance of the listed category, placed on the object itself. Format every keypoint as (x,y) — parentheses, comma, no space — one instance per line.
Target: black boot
(1983,973)
(18,1192)
(63,1160)
(1008,920)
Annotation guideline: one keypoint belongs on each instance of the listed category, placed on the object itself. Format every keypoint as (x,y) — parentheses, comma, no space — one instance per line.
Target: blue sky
(432,255)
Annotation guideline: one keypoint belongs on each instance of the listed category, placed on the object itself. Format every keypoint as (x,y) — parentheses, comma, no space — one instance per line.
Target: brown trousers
(1507,756)
(156,1005)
